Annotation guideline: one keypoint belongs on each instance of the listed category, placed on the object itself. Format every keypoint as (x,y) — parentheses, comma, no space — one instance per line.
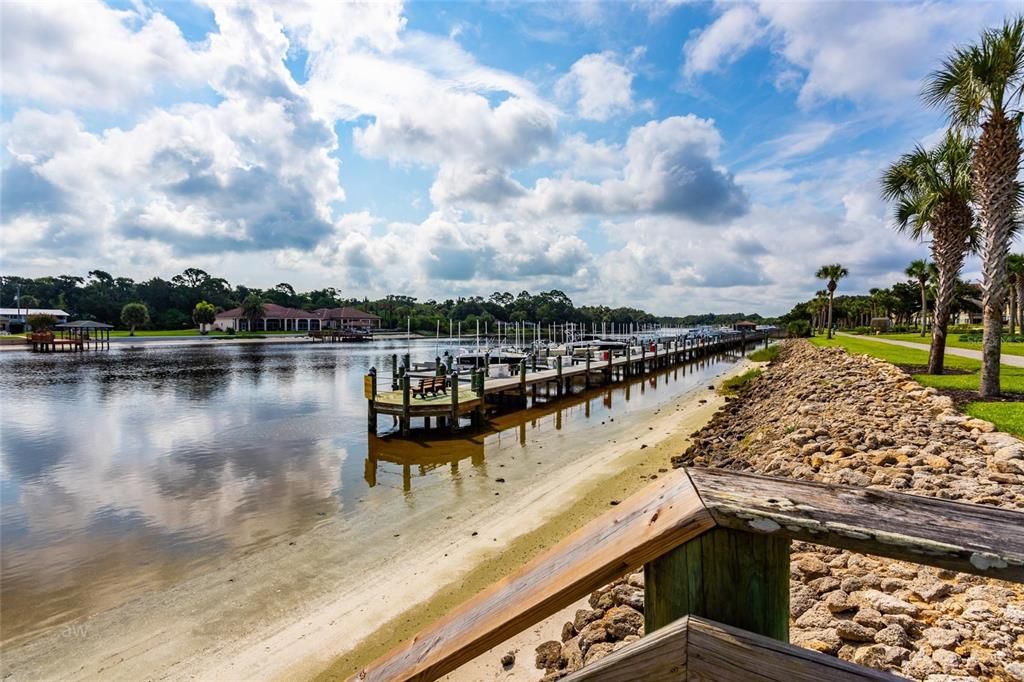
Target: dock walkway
(460,400)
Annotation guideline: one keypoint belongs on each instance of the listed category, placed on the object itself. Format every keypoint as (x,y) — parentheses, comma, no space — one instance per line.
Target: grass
(732,386)
(1008,416)
(765,354)
(953,341)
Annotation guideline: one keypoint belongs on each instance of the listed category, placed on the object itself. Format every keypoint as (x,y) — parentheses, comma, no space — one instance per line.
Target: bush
(41,323)
(798,329)
(231,331)
(976,337)
(861,330)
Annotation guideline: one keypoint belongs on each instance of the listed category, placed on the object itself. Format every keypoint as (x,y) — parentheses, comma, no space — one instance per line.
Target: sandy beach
(312,608)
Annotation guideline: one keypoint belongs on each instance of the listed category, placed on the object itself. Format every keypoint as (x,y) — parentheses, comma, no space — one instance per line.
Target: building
(19,316)
(348,318)
(281,318)
(745,326)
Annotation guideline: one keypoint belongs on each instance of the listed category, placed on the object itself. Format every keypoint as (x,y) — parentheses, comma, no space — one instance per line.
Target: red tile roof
(272,310)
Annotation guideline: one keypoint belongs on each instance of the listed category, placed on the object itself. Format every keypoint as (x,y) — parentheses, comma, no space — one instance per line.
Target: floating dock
(447,406)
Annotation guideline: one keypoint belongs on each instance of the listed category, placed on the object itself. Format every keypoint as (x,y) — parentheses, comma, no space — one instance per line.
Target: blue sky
(680,157)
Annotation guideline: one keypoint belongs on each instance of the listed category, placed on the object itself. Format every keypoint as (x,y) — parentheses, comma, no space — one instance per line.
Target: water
(128,470)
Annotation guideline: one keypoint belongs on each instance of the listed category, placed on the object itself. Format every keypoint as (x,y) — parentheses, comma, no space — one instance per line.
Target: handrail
(969,538)
(694,648)
(662,517)
(685,504)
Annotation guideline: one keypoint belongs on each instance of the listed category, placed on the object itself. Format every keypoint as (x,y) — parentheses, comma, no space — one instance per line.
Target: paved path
(1011,360)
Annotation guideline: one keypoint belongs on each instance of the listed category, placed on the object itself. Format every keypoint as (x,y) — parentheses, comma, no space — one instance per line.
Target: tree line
(195,296)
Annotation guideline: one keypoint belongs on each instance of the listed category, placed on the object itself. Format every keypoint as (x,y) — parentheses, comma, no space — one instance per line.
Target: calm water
(130,469)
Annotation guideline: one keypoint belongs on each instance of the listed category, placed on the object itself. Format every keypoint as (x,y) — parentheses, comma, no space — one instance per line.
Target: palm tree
(833,273)
(919,270)
(932,194)
(252,310)
(1015,270)
(980,85)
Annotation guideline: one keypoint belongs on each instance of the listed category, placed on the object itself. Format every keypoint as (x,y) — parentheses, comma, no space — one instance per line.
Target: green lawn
(1007,417)
(953,341)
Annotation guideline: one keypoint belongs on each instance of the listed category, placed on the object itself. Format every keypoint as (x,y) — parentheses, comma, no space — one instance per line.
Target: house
(19,315)
(745,326)
(281,318)
(348,318)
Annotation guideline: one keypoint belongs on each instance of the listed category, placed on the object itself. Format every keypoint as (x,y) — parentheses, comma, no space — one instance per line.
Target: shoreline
(306,608)
(184,341)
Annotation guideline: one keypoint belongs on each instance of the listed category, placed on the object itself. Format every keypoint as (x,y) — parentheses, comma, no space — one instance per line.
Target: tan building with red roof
(281,318)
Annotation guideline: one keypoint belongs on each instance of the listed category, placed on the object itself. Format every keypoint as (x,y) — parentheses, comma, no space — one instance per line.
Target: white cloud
(671,167)
(86,54)
(602,84)
(727,39)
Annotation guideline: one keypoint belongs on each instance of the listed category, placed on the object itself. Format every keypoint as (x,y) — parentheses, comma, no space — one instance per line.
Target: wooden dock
(458,400)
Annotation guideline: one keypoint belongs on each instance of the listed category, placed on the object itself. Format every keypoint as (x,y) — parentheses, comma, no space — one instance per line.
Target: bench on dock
(432,384)
(714,545)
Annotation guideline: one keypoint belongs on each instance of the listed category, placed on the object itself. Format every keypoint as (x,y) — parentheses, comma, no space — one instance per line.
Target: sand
(312,609)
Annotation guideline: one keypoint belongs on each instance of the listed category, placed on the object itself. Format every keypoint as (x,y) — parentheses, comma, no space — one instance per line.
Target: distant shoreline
(179,341)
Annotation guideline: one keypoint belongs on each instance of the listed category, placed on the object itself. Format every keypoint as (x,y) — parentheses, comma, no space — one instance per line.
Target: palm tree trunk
(924,308)
(1013,309)
(830,295)
(995,167)
(951,228)
(1020,302)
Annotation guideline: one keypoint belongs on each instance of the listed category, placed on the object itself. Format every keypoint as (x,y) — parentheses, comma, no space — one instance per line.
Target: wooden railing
(714,545)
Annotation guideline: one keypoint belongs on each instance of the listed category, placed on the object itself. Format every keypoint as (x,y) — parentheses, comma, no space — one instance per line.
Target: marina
(439,399)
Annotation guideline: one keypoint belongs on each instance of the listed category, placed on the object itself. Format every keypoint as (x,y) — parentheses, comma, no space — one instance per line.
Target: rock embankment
(822,414)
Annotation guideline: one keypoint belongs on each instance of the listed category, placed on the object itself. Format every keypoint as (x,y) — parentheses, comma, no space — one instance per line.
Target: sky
(680,157)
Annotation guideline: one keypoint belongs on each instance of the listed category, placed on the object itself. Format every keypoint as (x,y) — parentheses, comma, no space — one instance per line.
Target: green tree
(252,310)
(832,273)
(28,301)
(981,85)
(932,192)
(919,270)
(203,314)
(134,315)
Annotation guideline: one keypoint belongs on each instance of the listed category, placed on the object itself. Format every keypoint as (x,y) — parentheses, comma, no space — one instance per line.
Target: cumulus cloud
(602,85)
(90,55)
(671,167)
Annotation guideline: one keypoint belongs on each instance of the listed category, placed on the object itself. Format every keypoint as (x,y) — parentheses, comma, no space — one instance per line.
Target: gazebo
(84,334)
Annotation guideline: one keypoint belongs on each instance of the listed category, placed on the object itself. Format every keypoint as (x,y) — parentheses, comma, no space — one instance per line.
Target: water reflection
(129,470)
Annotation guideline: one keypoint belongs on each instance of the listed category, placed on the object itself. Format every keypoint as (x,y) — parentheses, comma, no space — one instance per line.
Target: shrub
(798,329)
(976,337)
(861,330)
(41,323)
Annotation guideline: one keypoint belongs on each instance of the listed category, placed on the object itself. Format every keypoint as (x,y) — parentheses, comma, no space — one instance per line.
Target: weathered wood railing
(715,546)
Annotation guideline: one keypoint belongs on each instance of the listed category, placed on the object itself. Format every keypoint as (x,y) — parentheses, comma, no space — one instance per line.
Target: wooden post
(629,358)
(736,578)
(455,401)
(370,386)
(522,381)
(643,358)
(394,371)
(438,369)
(558,368)
(406,397)
(587,375)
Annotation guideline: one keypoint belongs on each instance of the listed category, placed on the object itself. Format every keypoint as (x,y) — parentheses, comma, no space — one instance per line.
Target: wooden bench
(433,384)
